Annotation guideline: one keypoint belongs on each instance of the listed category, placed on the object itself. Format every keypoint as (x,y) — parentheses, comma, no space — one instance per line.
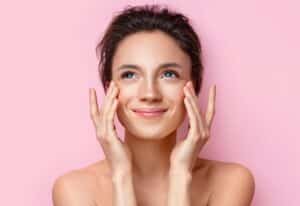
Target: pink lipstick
(149,112)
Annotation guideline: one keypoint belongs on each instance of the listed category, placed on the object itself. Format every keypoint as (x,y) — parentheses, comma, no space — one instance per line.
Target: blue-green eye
(171,72)
(125,75)
(129,74)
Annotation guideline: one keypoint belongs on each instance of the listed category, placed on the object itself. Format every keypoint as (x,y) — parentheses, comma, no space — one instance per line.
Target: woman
(140,47)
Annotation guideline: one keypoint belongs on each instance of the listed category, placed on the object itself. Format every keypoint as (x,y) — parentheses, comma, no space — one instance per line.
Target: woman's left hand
(185,152)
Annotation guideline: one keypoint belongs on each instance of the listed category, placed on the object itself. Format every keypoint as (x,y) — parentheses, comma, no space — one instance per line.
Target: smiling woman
(151,69)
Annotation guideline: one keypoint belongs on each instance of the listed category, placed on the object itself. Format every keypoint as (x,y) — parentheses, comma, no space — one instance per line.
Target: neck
(150,158)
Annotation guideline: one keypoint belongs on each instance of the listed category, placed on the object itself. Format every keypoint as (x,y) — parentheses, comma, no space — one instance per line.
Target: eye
(125,74)
(170,73)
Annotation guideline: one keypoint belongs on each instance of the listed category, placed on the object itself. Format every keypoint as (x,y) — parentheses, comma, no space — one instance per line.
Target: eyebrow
(164,65)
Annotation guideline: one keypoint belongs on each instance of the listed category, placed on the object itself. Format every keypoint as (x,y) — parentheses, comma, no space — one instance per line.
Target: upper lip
(149,110)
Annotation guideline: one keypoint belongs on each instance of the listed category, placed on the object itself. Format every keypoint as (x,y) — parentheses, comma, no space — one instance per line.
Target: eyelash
(123,75)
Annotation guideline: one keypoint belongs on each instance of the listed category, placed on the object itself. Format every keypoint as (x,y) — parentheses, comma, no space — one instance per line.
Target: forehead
(149,49)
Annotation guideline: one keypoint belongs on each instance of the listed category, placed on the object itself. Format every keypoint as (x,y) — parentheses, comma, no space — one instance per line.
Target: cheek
(176,94)
(124,95)
(180,101)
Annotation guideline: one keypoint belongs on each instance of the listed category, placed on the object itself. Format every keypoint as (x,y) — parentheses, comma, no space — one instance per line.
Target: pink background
(251,51)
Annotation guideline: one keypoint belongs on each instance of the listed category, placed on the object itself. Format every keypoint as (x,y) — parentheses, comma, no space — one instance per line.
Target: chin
(150,133)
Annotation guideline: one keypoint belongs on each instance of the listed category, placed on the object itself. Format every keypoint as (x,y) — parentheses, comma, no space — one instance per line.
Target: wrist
(120,176)
(180,172)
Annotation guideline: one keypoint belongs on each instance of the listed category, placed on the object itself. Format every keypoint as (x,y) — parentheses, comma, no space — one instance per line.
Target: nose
(149,91)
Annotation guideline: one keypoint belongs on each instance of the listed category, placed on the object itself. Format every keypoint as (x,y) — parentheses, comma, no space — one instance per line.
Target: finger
(94,111)
(202,122)
(191,114)
(201,127)
(191,141)
(111,115)
(211,106)
(190,85)
(100,123)
(107,100)
(111,110)
(107,94)
(195,100)
(112,103)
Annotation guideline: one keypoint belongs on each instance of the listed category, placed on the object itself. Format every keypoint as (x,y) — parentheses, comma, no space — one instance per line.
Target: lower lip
(149,114)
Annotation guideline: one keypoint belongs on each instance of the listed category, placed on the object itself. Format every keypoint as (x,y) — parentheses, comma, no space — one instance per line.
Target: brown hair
(134,19)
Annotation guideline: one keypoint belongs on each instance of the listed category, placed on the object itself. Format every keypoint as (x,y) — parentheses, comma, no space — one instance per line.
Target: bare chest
(153,195)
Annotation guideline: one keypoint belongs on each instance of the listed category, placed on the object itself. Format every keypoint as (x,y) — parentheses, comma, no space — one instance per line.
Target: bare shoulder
(222,172)
(76,187)
(232,183)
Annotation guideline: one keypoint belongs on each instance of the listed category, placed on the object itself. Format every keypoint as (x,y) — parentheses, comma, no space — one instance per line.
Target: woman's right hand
(117,153)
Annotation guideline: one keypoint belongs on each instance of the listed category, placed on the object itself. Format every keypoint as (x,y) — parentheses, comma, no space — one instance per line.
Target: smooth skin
(183,156)
(185,153)
(117,153)
(150,167)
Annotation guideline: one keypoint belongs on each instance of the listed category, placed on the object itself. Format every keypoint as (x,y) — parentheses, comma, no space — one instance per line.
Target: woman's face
(150,70)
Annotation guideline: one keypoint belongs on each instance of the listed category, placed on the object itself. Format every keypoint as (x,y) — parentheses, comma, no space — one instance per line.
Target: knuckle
(99,135)
(103,140)
(95,114)
(92,115)
(206,134)
(196,136)
(205,137)
(195,139)
(110,118)
(197,133)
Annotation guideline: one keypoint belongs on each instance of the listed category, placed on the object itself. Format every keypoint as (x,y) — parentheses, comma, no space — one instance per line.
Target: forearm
(123,190)
(179,193)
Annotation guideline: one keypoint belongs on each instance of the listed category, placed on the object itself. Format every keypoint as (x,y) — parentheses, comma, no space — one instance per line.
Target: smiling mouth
(148,114)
